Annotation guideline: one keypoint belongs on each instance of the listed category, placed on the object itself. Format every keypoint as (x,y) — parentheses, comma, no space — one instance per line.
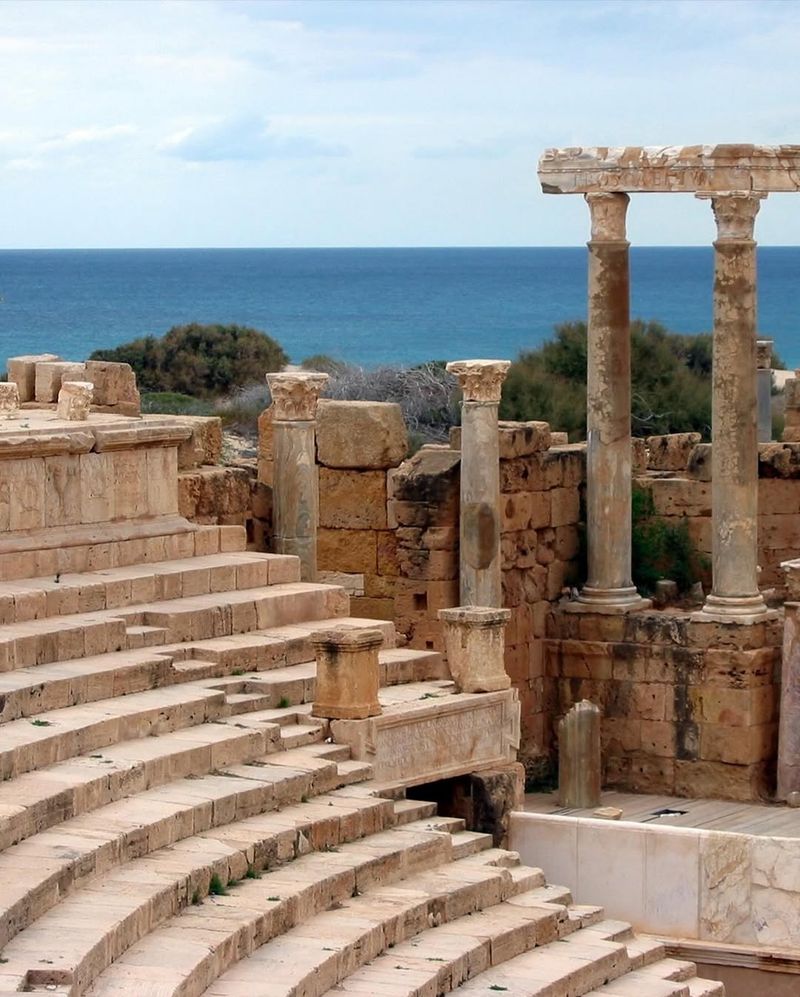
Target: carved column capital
(480,380)
(735,214)
(295,395)
(764,354)
(608,211)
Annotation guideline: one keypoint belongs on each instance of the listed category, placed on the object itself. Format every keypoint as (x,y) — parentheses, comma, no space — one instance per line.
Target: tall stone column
(296,484)
(764,389)
(481,382)
(734,451)
(609,585)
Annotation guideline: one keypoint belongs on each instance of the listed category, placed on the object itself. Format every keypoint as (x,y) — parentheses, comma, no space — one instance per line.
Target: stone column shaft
(789,726)
(609,584)
(296,481)
(764,389)
(734,452)
(480,565)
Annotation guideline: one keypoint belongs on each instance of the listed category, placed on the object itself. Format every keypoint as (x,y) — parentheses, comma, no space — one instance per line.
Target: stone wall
(689,708)
(677,472)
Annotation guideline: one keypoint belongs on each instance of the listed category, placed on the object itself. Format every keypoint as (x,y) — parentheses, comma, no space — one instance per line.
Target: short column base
(734,609)
(598,600)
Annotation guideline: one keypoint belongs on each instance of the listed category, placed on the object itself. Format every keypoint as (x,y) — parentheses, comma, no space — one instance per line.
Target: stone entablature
(673,168)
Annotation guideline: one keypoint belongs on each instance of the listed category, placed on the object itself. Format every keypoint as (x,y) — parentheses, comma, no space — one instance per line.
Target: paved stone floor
(717,815)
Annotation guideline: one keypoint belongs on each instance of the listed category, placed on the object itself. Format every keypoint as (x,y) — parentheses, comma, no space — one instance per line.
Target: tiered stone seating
(173,819)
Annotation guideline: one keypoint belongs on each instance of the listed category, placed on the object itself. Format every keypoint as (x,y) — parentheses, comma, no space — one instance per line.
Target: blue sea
(365,306)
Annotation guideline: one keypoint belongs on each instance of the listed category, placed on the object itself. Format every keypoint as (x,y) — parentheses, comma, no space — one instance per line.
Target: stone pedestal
(480,567)
(9,400)
(74,400)
(579,756)
(473,637)
(764,389)
(348,674)
(609,585)
(734,454)
(296,485)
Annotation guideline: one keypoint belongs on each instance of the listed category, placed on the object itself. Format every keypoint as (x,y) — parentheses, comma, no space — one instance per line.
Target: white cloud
(244,138)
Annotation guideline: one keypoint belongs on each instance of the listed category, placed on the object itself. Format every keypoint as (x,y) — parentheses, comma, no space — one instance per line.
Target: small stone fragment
(608,813)
(9,400)
(74,400)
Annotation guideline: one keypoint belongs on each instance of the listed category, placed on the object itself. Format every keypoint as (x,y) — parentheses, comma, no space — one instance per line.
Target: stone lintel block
(474,638)
(670,452)
(348,673)
(516,439)
(74,399)
(9,400)
(480,380)
(295,395)
(22,370)
(51,373)
(360,435)
(114,385)
(664,169)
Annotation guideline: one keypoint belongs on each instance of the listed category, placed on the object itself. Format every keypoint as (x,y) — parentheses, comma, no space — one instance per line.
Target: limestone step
(105,920)
(56,735)
(26,692)
(114,588)
(411,810)
(44,876)
(334,947)
(40,799)
(194,948)
(26,554)
(636,984)
(193,618)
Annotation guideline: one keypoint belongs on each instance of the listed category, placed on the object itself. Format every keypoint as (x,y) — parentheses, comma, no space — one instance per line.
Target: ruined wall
(689,708)
(678,476)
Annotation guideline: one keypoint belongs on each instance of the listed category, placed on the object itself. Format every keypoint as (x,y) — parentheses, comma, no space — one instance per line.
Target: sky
(139,123)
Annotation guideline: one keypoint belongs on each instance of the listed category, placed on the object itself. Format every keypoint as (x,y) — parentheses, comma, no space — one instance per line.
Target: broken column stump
(579,756)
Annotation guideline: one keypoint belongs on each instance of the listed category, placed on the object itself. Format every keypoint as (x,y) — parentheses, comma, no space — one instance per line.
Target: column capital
(295,395)
(608,211)
(764,354)
(480,380)
(735,213)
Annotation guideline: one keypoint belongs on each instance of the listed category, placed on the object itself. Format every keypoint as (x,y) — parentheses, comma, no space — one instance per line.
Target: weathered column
(609,585)
(348,674)
(296,484)
(789,725)
(734,451)
(481,382)
(475,645)
(764,389)
(579,759)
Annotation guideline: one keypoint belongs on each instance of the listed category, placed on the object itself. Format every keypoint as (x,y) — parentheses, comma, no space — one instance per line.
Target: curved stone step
(114,588)
(196,947)
(97,872)
(395,931)
(193,618)
(29,691)
(43,868)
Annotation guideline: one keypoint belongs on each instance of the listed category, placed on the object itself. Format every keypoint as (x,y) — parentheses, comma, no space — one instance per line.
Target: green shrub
(670,381)
(199,360)
(173,403)
(661,550)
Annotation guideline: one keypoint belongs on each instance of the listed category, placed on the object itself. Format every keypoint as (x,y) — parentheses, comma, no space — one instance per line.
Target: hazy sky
(371,122)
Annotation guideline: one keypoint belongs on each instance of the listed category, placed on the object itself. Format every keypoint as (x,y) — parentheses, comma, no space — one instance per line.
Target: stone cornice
(665,169)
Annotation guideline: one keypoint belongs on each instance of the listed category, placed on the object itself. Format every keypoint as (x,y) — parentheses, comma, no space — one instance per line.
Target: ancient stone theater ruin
(265,726)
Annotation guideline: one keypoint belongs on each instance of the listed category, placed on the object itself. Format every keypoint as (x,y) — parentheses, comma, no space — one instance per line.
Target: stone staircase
(173,821)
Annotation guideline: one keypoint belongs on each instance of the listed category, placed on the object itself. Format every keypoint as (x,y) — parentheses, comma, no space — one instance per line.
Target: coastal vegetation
(203,361)
(201,369)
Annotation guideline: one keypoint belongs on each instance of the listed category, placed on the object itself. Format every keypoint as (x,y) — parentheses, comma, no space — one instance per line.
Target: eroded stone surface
(348,674)
(661,169)
(579,756)
(9,400)
(74,399)
(474,641)
(360,435)
(480,380)
(295,395)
